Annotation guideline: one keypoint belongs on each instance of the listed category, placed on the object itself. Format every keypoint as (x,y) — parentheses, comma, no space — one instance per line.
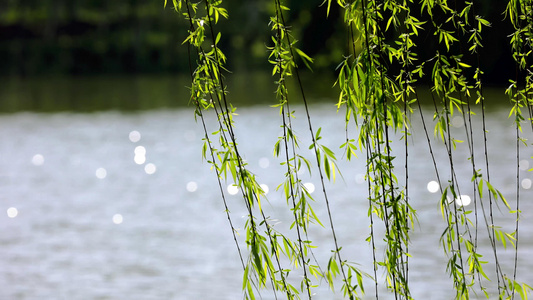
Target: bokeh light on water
(433,186)
(118,219)
(135,136)
(310,187)
(140,150)
(139,159)
(192,186)
(463,200)
(265,188)
(140,155)
(101,173)
(458,122)
(232,189)
(150,169)
(37,160)
(523,164)
(12,212)
(526,183)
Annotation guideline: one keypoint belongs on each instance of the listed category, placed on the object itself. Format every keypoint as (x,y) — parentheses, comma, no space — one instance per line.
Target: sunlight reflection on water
(135,136)
(526,183)
(524,165)
(265,188)
(101,173)
(140,150)
(140,155)
(192,186)
(463,200)
(232,189)
(12,212)
(37,159)
(433,186)
(150,169)
(310,187)
(117,219)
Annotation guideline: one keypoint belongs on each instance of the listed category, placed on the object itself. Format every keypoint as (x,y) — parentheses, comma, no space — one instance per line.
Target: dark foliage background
(132,36)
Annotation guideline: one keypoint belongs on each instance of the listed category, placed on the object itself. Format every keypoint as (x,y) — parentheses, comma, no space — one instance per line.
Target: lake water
(85,217)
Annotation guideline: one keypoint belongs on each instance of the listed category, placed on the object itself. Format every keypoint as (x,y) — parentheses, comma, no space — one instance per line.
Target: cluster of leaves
(520,92)
(208,93)
(283,56)
(378,103)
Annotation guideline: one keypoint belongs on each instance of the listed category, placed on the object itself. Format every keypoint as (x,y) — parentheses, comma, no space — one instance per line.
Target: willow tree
(378,82)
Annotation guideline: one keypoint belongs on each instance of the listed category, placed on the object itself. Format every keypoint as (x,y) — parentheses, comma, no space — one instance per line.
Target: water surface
(104,194)
(92,223)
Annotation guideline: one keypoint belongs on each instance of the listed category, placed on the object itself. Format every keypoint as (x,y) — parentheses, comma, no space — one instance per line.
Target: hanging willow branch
(378,83)
(373,97)
(284,54)
(208,92)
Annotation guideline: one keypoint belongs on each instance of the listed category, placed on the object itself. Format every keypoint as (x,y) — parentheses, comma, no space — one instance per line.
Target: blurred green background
(131,36)
(125,39)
